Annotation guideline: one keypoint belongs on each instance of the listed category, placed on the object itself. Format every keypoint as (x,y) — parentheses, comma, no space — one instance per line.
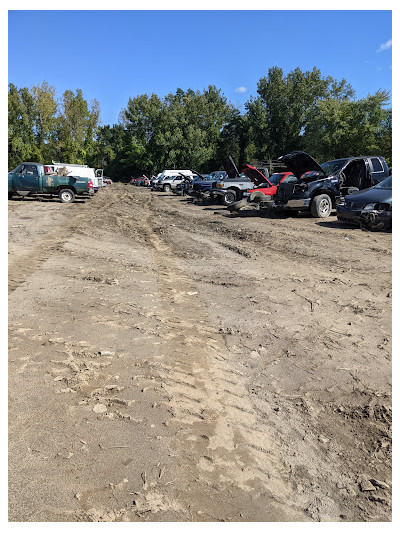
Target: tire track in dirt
(220,440)
(21,267)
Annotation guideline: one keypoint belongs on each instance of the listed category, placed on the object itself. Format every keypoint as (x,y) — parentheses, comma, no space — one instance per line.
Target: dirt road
(171,362)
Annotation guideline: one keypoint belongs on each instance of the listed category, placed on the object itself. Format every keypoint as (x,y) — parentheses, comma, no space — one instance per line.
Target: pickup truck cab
(237,184)
(30,178)
(318,188)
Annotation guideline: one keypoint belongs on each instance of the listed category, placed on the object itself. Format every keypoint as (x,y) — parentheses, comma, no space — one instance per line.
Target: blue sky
(114,55)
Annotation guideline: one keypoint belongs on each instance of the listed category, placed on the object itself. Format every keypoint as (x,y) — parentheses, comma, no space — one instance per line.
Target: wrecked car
(318,188)
(370,209)
(262,195)
(237,184)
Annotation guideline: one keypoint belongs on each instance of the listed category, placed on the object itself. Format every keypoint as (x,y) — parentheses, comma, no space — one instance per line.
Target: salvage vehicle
(201,188)
(370,209)
(262,195)
(30,178)
(236,184)
(318,188)
(231,187)
(82,171)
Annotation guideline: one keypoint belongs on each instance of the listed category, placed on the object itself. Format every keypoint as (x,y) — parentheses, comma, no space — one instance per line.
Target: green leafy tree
(21,120)
(338,128)
(76,126)
(45,108)
(280,112)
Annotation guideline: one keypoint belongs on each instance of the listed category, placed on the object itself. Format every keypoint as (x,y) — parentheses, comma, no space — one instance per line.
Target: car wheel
(10,195)
(167,188)
(66,196)
(229,198)
(321,206)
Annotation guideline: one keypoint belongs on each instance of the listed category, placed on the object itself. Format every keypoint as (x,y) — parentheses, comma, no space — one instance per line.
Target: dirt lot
(172,362)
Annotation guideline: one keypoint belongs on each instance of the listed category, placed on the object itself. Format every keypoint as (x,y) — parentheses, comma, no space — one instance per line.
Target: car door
(26,178)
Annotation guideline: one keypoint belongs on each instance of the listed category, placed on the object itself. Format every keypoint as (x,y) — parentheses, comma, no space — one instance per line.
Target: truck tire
(167,188)
(236,206)
(321,206)
(10,195)
(66,195)
(229,197)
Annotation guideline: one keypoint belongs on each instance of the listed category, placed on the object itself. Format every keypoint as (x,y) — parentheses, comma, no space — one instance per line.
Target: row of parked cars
(359,188)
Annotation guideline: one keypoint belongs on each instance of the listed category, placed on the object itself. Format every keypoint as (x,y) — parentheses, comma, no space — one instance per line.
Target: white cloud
(385,46)
(240,89)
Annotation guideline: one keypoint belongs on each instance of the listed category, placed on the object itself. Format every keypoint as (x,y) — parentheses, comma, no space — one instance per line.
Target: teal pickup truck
(30,178)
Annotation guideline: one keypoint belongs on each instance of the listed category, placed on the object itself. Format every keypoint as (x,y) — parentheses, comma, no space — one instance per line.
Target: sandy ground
(172,362)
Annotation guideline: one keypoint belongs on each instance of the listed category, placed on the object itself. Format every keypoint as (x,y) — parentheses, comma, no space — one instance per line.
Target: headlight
(383,207)
(220,185)
(369,207)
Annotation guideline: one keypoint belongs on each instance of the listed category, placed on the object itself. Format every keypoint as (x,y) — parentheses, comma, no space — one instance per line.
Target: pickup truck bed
(30,178)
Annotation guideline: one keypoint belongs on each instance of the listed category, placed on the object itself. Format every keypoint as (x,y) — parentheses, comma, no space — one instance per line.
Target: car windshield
(275,178)
(385,184)
(333,167)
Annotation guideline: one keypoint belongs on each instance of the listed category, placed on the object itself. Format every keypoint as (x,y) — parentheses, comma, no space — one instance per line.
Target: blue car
(370,209)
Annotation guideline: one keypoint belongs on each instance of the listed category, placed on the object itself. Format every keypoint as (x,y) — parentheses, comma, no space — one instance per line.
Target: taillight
(90,184)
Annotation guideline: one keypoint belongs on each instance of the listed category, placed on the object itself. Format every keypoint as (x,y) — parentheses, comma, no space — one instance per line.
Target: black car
(372,208)
(319,188)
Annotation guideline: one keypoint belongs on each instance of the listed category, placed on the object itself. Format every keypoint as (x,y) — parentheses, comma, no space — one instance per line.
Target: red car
(271,184)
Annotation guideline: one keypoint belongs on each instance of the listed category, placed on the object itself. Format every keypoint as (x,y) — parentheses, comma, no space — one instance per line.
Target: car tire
(167,188)
(66,196)
(10,195)
(229,197)
(258,196)
(321,206)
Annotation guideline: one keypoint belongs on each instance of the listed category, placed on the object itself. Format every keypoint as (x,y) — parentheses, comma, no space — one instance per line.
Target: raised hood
(255,175)
(230,167)
(300,163)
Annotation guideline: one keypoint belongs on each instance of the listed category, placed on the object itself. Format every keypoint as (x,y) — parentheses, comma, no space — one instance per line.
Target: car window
(376,165)
(290,179)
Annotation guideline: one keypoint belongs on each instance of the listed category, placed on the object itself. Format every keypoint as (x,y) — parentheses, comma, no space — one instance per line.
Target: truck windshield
(333,167)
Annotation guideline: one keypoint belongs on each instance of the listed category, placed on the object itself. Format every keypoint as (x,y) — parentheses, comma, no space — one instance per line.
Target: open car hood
(255,175)
(230,167)
(300,163)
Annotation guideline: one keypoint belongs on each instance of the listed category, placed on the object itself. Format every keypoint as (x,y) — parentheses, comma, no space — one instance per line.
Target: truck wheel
(236,206)
(66,195)
(321,206)
(167,188)
(10,195)
(229,198)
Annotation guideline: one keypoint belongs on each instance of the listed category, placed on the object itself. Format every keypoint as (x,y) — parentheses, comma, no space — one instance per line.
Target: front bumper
(360,217)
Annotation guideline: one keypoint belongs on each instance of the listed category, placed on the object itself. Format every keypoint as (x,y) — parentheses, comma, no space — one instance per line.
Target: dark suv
(319,187)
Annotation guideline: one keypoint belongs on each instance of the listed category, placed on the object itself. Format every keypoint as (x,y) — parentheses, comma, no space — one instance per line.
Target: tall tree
(279,113)
(76,126)
(338,128)
(45,108)
(21,120)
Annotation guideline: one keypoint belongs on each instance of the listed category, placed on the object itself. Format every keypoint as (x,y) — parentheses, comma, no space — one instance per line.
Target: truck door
(27,178)
(378,172)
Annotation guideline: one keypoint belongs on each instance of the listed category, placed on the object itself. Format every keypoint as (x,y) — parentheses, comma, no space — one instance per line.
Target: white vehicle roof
(186,172)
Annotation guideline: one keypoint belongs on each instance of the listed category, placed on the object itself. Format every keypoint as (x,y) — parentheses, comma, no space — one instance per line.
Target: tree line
(197,129)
